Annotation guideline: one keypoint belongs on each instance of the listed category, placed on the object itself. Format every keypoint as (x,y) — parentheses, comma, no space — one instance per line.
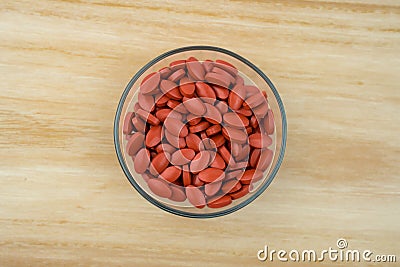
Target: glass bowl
(251,75)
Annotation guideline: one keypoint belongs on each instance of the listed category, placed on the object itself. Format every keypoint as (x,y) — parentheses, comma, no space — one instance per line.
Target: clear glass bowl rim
(154,201)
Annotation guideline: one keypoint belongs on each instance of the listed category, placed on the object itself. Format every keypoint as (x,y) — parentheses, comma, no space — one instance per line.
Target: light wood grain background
(64,64)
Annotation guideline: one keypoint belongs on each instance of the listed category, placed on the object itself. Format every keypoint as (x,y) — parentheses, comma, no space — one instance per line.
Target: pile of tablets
(198,132)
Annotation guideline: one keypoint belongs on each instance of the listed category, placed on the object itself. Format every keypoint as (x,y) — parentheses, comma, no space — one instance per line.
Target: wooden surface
(64,64)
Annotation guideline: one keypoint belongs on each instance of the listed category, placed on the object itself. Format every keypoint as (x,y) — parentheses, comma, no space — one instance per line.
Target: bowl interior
(251,75)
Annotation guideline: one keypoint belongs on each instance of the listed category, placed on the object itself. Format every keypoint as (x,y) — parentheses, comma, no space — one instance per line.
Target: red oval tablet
(245,121)
(186,87)
(208,65)
(186,176)
(261,110)
(165,147)
(233,120)
(240,193)
(196,181)
(205,91)
(193,119)
(244,153)
(178,64)
(182,156)
(269,122)
(259,140)
(235,148)
(203,134)
(255,100)
(147,117)
(163,113)
(178,194)
(153,136)
(237,165)
(202,126)
(136,107)
(234,174)
(146,177)
(250,175)
(245,112)
(217,79)
(161,101)
(174,94)
(225,74)
(177,75)
(254,157)
(239,80)
(135,143)
(212,188)
(193,142)
(218,140)
(176,141)
(142,161)
(164,72)
(236,97)
(222,107)
(159,163)
(218,162)
(127,128)
(265,159)
(212,114)
(231,186)
(225,154)
(171,89)
(195,196)
(200,161)
(226,66)
(139,124)
(221,92)
(249,130)
(159,187)
(146,102)
(220,202)
(236,135)
(150,83)
(195,69)
(213,130)
(195,106)
(171,174)
(251,90)
(173,104)
(253,122)
(210,175)
(175,127)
